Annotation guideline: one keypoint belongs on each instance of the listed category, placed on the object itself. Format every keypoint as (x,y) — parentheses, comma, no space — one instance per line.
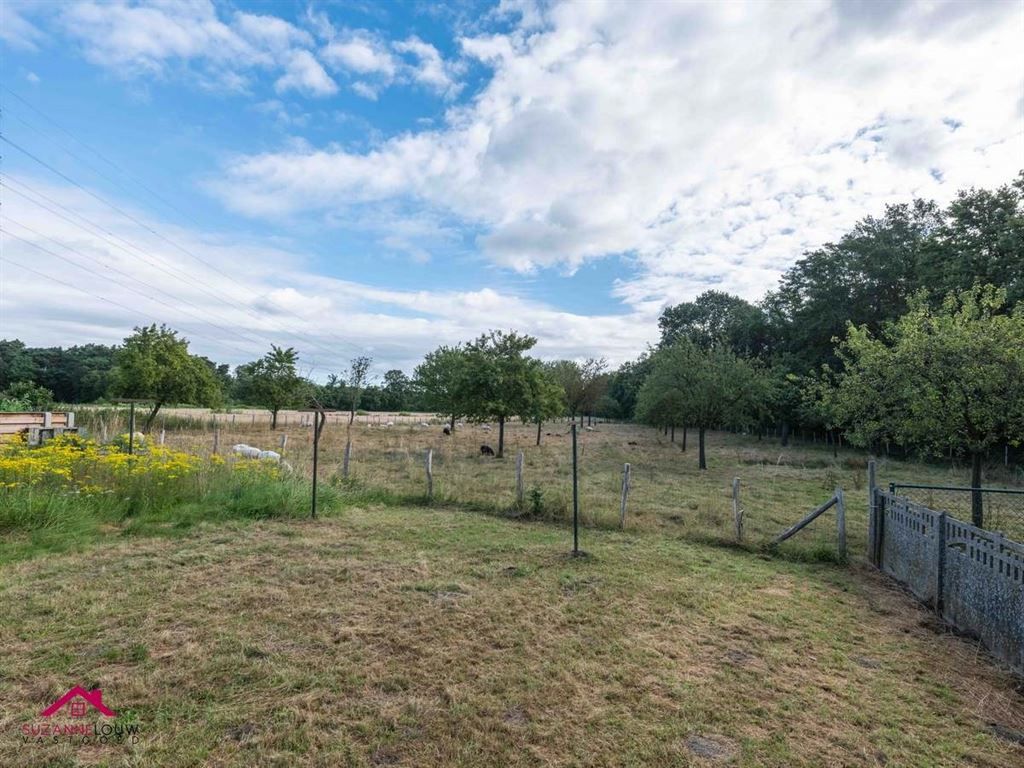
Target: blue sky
(383,177)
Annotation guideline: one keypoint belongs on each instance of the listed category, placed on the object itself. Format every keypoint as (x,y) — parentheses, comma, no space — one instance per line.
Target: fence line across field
(1002,508)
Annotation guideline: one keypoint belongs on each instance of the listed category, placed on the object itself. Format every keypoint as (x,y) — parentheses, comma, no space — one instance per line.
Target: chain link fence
(1002,509)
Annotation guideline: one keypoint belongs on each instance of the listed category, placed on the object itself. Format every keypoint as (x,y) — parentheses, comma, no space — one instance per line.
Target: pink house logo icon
(78,707)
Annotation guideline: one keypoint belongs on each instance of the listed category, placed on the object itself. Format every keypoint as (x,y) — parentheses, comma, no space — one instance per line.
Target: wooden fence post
(430,473)
(625,496)
(737,511)
(284,443)
(216,440)
(348,455)
(841,523)
(520,495)
(163,436)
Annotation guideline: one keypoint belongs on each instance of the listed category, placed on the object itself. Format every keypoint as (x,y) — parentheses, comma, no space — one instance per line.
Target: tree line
(905,333)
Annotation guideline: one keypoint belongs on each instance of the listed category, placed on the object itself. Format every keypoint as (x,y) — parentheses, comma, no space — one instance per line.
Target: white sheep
(246,451)
(270,455)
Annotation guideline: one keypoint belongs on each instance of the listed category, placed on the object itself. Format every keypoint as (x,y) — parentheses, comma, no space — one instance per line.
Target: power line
(154,232)
(174,297)
(135,251)
(95,151)
(249,339)
(256,344)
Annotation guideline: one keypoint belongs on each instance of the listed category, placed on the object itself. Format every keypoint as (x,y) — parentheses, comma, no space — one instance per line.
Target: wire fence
(1002,509)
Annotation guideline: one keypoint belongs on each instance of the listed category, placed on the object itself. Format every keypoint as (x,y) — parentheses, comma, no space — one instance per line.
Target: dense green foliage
(273,381)
(154,364)
(497,380)
(946,379)
(704,388)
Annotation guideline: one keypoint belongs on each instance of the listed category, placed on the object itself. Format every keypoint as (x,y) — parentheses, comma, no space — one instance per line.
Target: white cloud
(380,63)
(711,142)
(232,314)
(220,50)
(303,73)
(430,68)
(362,53)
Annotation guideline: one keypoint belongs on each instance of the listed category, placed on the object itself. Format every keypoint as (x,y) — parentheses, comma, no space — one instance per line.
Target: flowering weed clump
(72,488)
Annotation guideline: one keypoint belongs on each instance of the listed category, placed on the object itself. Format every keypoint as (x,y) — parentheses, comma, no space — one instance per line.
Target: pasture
(432,636)
(778,485)
(394,631)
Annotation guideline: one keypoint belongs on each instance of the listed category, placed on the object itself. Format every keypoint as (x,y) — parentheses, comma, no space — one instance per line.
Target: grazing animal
(589,429)
(486,450)
(486,427)
(270,455)
(424,424)
(246,451)
(390,424)
(447,430)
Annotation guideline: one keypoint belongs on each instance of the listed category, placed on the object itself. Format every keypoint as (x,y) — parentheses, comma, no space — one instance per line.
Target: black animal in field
(447,430)
(486,450)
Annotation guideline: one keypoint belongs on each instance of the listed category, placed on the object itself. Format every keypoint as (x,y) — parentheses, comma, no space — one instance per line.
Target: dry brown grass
(778,485)
(428,636)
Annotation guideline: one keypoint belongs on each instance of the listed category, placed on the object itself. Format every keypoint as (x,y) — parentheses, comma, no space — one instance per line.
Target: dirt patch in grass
(426,636)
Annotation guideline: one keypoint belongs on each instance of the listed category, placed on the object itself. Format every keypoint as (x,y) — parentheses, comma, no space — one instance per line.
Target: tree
(938,379)
(15,363)
(79,374)
(25,396)
(358,376)
(583,384)
(396,390)
(437,378)
(702,388)
(497,380)
(980,240)
(624,384)
(273,381)
(546,401)
(154,364)
(714,318)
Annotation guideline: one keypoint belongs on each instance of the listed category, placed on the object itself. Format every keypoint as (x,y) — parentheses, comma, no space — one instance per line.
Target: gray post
(71,420)
(284,442)
(575,498)
(737,512)
(872,513)
(841,523)
(348,455)
(625,496)
(216,440)
(163,436)
(940,565)
(430,473)
(519,479)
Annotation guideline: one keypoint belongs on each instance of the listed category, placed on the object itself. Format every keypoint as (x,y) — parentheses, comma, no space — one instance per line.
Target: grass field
(669,494)
(422,636)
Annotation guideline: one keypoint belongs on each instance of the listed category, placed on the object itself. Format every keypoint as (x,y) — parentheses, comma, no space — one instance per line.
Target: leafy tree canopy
(155,364)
